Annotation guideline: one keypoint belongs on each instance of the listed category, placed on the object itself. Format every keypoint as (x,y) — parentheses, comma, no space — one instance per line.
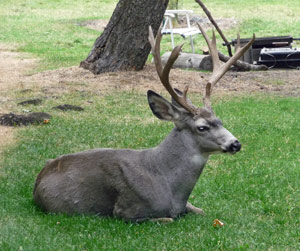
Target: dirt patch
(67,107)
(36,101)
(223,23)
(279,82)
(98,25)
(13,66)
(12,119)
(64,80)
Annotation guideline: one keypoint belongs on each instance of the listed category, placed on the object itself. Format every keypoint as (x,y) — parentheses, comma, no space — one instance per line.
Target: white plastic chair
(184,32)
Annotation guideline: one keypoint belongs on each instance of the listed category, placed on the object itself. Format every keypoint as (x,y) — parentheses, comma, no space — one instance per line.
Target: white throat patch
(199,160)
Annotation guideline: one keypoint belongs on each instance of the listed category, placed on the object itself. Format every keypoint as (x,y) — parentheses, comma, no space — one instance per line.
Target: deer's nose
(235,146)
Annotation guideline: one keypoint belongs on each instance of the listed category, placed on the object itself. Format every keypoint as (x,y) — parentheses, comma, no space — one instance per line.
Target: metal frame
(188,31)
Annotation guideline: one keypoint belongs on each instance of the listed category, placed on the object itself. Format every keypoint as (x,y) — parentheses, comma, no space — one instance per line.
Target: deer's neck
(181,161)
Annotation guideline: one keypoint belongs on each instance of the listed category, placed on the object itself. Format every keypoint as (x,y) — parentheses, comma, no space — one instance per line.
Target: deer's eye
(202,128)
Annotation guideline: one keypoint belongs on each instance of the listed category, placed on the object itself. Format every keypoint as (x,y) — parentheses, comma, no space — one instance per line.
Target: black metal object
(268,42)
(280,57)
(252,56)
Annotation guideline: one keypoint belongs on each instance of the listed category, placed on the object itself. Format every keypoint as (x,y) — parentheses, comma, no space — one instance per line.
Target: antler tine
(218,70)
(224,68)
(155,45)
(163,73)
(212,45)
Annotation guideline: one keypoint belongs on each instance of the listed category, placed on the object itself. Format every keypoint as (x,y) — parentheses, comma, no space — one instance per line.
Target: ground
(15,74)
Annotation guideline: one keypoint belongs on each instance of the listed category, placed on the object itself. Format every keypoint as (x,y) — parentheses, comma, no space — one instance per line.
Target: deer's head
(204,127)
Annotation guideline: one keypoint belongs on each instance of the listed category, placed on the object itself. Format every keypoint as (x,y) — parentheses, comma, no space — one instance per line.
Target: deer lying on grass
(155,183)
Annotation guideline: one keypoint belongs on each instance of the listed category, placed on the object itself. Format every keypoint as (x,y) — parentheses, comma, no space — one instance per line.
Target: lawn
(255,192)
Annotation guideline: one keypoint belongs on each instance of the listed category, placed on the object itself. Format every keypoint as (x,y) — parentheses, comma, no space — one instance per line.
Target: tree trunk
(124,45)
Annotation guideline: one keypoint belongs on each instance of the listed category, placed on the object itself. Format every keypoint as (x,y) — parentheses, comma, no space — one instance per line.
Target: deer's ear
(162,108)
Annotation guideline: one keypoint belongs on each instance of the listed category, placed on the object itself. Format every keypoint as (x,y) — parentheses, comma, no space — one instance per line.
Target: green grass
(255,192)
(49,30)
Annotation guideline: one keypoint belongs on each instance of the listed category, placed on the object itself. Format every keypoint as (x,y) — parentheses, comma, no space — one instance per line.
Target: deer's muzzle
(234,147)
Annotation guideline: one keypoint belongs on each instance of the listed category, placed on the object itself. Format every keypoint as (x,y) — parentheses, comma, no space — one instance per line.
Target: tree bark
(124,45)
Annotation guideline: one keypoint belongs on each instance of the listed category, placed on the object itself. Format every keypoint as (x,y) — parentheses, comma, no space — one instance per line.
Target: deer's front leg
(130,208)
(192,209)
(162,220)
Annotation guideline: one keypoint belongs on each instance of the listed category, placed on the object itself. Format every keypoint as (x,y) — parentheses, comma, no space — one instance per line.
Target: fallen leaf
(218,223)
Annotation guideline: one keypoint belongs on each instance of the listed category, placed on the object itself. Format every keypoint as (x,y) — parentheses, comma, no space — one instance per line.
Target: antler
(218,70)
(163,72)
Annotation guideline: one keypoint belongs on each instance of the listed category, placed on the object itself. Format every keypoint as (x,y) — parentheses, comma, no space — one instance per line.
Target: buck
(150,184)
